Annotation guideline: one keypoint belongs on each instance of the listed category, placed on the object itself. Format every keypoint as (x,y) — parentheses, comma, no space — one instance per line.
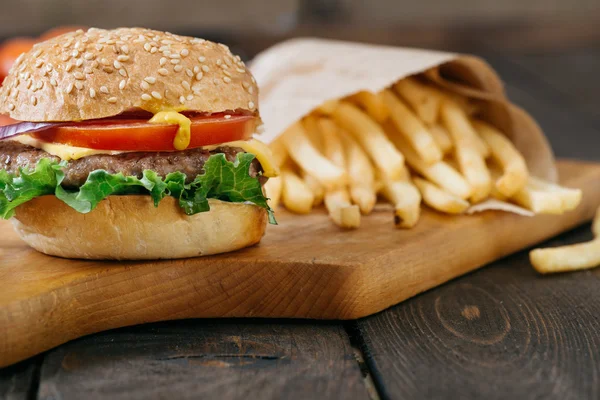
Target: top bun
(101,73)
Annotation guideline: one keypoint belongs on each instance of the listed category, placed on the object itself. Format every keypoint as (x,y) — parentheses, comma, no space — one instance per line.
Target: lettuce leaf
(222,180)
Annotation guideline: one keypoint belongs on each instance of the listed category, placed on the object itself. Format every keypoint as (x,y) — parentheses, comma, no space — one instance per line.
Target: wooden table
(502,332)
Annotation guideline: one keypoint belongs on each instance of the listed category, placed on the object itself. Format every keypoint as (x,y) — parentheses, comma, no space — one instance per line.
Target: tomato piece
(6,120)
(11,50)
(136,135)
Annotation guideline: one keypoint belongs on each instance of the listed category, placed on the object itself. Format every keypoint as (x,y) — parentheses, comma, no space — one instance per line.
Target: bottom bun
(131,228)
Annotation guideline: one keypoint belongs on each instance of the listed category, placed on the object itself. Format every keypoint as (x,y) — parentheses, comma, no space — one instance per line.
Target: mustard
(183,135)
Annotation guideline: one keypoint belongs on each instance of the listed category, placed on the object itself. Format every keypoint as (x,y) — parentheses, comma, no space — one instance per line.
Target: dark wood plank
(19,381)
(501,333)
(206,359)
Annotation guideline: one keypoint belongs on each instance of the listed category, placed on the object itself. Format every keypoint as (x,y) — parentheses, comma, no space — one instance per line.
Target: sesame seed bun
(103,73)
(131,228)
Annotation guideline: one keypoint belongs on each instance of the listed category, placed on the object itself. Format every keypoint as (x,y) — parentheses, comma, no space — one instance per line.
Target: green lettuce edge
(222,179)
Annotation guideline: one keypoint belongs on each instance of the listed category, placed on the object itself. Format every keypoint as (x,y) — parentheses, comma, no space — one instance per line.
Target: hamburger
(132,144)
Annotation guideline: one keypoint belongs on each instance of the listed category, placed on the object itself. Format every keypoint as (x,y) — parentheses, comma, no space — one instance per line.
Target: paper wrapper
(299,75)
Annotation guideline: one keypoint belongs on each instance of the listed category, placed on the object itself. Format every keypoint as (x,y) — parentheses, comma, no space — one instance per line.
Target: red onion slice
(20,128)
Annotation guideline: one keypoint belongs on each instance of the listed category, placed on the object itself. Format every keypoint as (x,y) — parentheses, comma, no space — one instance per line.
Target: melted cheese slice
(64,152)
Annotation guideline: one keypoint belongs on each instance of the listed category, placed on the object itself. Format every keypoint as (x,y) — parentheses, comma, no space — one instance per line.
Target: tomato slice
(136,135)
(6,120)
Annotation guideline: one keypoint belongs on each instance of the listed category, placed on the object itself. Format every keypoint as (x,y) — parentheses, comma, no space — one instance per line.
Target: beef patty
(14,155)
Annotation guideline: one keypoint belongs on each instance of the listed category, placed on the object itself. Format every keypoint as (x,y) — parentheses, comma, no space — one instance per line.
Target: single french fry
(508,157)
(406,200)
(372,104)
(327,107)
(421,98)
(566,258)
(439,199)
(360,172)
(570,198)
(469,157)
(371,137)
(309,123)
(272,189)
(341,212)
(295,195)
(280,153)
(332,142)
(496,174)
(315,187)
(415,132)
(442,138)
(440,173)
(596,224)
(304,153)
(539,201)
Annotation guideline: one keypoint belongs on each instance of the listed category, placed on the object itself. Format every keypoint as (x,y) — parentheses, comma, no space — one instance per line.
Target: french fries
(371,137)
(469,154)
(508,157)
(272,189)
(439,199)
(413,130)
(361,175)
(304,153)
(295,195)
(442,138)
(421,98)
(414,142)
(406,200)
(372,104)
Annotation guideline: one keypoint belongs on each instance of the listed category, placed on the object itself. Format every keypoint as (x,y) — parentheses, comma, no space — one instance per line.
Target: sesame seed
(34,100)
(250,105)
(39,63)
(240,70)
(163,71)
(144,85)
(88,70)
(78,75)
(69,67)
(227,73)
(37,53)
(122,72)
(79,62)
(79,31)
(181,100)
(227,116)
(219,61)
(99,47)
(65,57)
(190,97)
(175,61)
(250,89)
(178,68)
(123,58)
(112,100)
(77,45)
(199,76)
(156,95)
(146,97)
(185,85)
(185,52)
(153,50)
(88,56)
(117,64)
(196,88)
(147,46)
(196,69)
(224,66)
(122,84)
(226,79)
(104,61)
(104,89)
(166,53)
(26,75)
(189,72)
(92,93)
(39,85)
(108,70)
(163,61)
(67,43)
(125,49)
(79,85)
(174,55)
(205,68)
(201,59)
(94,64)
(69,88)
(11,106)
(75,53)
(164,41)
(150,79)
(28,86)
(53,82)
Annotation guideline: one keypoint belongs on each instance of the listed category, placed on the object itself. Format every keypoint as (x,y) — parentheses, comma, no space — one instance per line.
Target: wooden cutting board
(305,268)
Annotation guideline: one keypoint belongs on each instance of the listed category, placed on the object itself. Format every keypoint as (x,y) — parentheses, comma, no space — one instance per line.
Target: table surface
(502,332)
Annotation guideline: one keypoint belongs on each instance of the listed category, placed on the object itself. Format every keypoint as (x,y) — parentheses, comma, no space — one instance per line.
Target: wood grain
(503,332)
(304,268)
(206,359)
